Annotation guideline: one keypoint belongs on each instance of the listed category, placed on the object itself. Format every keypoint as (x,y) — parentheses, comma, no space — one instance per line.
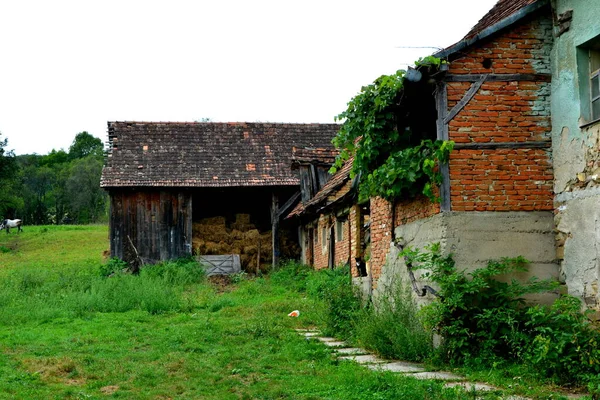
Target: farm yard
(68,332)
(71,328)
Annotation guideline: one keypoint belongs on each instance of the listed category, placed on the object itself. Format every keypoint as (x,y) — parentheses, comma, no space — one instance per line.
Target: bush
(565,344)
(481,318)
(113,266)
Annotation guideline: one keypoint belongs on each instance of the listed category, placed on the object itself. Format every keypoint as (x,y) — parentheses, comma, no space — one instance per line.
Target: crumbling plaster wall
(576,158)
(474,238)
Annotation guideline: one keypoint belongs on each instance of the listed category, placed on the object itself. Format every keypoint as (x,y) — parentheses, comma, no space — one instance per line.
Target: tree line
(61,187)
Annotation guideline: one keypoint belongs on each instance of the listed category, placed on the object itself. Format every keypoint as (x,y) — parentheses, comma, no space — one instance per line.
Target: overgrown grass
(69,332)
(392,327)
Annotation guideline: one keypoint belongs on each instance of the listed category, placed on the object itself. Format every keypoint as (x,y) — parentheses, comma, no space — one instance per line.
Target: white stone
(439,375)
(399,366)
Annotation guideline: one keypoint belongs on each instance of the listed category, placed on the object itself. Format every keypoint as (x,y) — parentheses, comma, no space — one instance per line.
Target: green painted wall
(576,153)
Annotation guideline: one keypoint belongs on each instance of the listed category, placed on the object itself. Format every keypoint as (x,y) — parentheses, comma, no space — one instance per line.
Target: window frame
(339,230)
(593,75)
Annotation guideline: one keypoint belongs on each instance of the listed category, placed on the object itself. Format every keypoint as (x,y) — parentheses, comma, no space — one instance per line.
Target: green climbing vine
(392,159)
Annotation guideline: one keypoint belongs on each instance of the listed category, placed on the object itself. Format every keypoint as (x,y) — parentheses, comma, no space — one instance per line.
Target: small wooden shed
(161,176)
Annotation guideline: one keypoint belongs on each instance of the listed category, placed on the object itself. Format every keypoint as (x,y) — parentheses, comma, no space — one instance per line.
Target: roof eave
(489,31)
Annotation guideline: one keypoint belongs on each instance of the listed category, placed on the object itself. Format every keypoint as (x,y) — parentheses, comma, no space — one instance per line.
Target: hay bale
(242,218)
(244,227)
(251,250)
(212,248)
(214,221)
(211,233)
(253,234)
(237,235)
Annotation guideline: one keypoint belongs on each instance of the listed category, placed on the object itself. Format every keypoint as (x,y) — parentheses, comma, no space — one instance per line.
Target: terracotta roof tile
(330,189)
(502,10)
(207,154)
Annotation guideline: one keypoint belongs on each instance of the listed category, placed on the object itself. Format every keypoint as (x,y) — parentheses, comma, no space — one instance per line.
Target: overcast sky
(71,66)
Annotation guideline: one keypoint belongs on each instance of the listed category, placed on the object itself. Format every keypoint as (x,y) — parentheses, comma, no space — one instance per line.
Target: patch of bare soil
(108,390)
(55,369)
(221,283)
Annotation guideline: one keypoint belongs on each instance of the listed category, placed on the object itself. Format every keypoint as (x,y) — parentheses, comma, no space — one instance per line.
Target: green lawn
(68,332)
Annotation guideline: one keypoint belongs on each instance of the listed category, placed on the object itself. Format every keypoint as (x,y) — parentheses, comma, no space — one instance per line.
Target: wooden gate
(226,264)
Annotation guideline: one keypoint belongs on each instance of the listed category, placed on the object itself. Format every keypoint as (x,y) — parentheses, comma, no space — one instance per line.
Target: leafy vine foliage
(387,128)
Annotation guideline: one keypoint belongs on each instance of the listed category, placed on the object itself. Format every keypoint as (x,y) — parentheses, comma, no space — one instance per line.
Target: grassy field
(67,332)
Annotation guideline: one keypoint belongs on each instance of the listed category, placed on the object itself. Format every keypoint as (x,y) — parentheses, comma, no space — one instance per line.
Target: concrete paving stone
(469,386)
(301,330)
(398,366)
(439,375)
(335,344)
(363,359)
(310,334)
(351,350)
(326,339)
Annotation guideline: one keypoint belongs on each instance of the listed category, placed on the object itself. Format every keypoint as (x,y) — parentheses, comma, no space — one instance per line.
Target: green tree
(87,200)
(85,145)
(9,198)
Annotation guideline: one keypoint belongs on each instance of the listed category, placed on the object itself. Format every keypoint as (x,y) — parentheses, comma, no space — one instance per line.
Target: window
(339,230)
(594,56)
(588,68)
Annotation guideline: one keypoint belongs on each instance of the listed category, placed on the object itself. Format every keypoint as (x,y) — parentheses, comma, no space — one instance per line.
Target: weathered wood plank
(543,144)
(465,100)
(442,134)
(225,264)
(275,229)
(497,77)
(288,204)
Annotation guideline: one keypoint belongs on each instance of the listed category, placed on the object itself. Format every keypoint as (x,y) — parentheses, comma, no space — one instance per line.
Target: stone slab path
(371,361)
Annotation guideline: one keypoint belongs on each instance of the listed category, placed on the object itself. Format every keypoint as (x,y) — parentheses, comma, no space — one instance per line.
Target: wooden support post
(442,134)
(275,229)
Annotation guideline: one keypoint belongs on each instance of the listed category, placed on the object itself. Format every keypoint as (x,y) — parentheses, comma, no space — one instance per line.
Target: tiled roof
(502,10)
(324,156)
(330,188)
(207,154)
(502,15)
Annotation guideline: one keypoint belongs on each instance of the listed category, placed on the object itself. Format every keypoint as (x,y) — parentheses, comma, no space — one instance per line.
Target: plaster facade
(576,149)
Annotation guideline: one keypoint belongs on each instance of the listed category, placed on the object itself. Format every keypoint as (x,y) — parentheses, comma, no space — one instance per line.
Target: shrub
(113,266)
(565,344)
(481,318)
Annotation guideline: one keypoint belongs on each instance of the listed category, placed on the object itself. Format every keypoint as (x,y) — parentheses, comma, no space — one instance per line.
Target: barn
(162,177)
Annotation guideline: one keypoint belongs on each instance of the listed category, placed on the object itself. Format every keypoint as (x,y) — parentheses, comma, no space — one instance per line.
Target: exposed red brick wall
(523,48)
(501,180)
(411,210)
(321,255)
(381,235)
(503,112)
(321,247)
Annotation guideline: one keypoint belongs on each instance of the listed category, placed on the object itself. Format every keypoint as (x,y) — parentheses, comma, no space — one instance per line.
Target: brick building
(492,99)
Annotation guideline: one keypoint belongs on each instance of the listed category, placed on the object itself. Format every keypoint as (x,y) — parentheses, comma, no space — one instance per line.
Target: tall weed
(37,295)
(392,327)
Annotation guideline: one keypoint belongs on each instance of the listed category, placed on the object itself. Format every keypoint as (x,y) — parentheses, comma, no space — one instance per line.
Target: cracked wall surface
(576,156)
(474,238)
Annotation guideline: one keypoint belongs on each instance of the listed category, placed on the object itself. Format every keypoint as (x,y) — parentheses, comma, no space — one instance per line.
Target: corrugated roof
(207,154)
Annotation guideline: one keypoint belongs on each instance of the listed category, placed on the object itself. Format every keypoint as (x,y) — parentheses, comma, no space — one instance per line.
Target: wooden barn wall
(157,222)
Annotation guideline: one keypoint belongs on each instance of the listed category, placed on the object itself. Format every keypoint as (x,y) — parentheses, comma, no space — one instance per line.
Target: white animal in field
(11,223)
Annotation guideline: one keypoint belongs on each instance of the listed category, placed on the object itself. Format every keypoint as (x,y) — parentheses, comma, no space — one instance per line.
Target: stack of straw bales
(212,236)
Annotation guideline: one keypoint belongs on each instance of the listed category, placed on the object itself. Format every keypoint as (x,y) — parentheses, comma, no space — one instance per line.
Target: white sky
(71,66)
